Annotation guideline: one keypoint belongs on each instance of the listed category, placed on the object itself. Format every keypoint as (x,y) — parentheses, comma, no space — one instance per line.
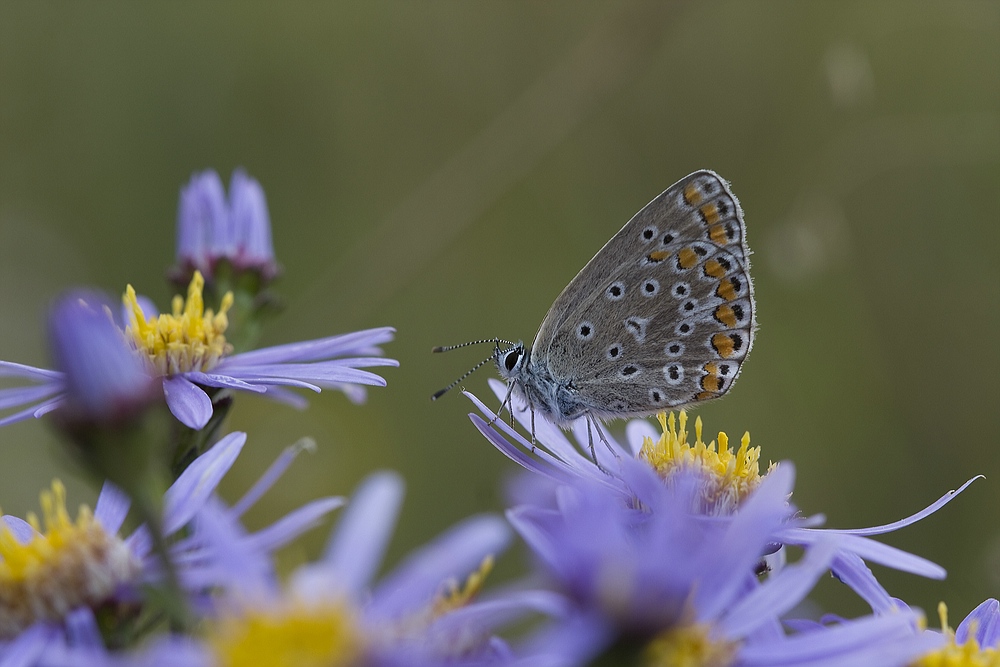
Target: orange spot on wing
(687,258)
(691,194)
(723,344)
(725,290)
(718,234)
(725,315)
(713,269)
(703,396)
(658,255)
(711,213)
(711,383)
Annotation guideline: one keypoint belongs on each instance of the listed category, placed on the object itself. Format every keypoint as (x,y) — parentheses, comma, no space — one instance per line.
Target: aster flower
(100,379)
(211,229)
(728,478)
(187,351)
(976,642)
(49,572)
(331,613)
(670,586)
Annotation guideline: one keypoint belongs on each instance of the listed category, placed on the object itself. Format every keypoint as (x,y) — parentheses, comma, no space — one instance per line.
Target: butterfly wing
(663,315)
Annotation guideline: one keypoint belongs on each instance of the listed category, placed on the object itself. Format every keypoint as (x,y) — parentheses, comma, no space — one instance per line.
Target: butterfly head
(510,360)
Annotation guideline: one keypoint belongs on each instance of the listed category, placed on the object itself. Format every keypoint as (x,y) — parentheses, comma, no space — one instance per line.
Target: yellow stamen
(299,636)
(189,339)
(68,565)
(952,654)
(456,596)
(735,475)
(688,646)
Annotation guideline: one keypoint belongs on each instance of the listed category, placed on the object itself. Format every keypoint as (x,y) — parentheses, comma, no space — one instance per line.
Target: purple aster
(186,351)
(100,378)
(682,587)
(975,643)
(211,229)
(333,613)
(49,578)
(728,479)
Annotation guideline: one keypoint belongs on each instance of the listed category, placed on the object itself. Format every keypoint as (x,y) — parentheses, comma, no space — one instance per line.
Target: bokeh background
(446,168)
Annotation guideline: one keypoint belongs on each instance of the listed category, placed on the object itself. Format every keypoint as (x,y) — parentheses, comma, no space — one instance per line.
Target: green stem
(169,596)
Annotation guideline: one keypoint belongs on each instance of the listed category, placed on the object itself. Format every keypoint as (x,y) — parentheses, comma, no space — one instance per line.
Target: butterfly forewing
(663,315)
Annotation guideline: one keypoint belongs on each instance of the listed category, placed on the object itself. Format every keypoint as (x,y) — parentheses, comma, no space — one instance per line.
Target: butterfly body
(662,317)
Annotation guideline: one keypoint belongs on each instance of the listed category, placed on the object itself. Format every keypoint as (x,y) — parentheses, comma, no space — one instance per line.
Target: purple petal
(890,641)
(11,369)
(851,570)
(251,224)
(752,527)
(240,567)
(913,518)
(112,508)
(202,210)
(550,437)
(868,549)
(196,484)
(268,382)
(534,464)
(312,350)
(169,651)
(356,548)
(287,397)
(984,620)
(82,631)
(455,553)
(16,396)
(222,382)
(487,615)
(355,394)
(575,641)
(293,524)
(527,521)
(187,401)
(27,647)
(564,463)
(29,413)
(271,475)
(325,374)
(105,378)
(48,406)
(636,430)
(778,594)
(21,529)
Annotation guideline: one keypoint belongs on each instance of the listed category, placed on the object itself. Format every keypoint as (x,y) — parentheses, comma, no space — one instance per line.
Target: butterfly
(662,317)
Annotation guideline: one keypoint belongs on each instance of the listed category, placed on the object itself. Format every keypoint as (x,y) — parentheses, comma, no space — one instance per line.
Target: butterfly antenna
(448,348)
(442,392)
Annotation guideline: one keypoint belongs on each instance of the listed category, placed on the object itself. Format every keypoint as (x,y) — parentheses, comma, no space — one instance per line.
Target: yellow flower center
(952,654)
(189,339)
(688,646)
(69,565)
(733,476)
(298,636)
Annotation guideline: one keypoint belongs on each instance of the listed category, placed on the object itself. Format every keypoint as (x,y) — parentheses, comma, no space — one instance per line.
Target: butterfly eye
(511,359)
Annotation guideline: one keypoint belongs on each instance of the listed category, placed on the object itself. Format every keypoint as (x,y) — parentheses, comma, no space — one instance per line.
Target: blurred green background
(446,168)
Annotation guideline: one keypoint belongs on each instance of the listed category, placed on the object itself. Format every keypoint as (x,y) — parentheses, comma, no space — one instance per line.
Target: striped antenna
(448,348)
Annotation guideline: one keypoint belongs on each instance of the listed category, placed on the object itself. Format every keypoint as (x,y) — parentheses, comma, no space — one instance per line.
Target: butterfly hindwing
(663,315)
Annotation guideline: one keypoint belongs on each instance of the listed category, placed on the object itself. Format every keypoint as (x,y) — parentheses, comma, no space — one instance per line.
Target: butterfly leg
(532,429)
(604,439)
(506,403)
(593,452)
